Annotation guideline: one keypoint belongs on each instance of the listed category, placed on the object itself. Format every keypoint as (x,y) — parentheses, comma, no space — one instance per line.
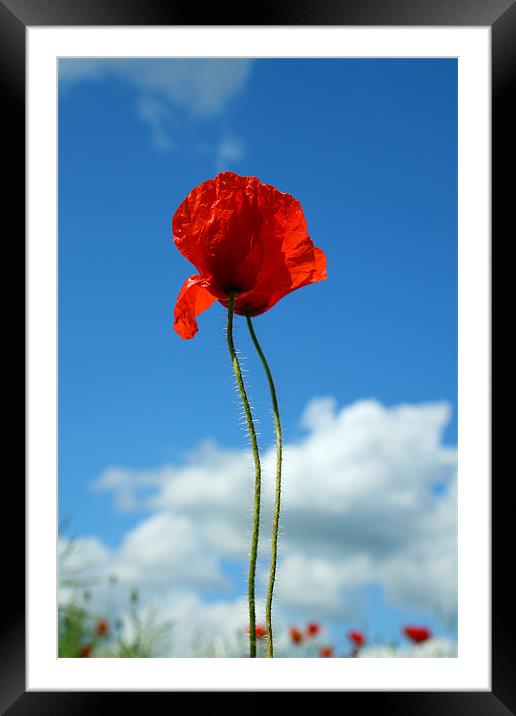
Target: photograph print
(257,357)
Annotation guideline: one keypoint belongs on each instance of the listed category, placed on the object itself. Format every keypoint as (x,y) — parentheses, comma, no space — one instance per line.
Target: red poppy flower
(356,637)
(325,652)
(313,628)
(102,627)
(243,237)
(85,650)
(296,635)
(417,634)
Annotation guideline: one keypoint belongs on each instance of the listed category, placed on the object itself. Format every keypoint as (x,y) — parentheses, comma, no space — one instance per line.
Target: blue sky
(369,147)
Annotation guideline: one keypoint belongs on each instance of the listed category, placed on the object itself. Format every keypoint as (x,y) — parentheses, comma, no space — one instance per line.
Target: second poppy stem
(258,479)
(275,519)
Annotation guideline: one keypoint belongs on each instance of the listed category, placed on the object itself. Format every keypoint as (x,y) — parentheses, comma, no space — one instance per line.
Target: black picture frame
(500,15)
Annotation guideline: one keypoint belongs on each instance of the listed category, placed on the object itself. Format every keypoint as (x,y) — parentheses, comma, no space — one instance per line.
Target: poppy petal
(193,299)
(276,285)
(216,229)
(320,265)
(292,259)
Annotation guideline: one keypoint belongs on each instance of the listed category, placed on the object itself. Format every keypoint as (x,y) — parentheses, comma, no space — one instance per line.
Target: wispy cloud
(158,116)
(170,90)
(229,151)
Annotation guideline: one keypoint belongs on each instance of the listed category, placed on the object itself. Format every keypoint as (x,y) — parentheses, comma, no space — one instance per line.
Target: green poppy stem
(276,516)
(257,483)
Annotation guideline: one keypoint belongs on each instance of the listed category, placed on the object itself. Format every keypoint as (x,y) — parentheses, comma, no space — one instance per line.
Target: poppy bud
(295,635)
(357,637)
(313,628)
(102,627)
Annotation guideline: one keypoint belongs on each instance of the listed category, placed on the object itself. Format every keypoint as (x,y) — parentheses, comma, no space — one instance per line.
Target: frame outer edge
(503,38)
(12,634)
(271,12)
(12,624)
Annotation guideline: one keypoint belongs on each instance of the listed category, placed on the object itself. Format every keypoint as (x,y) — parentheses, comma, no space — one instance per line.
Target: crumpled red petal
(193,299)
(217,228)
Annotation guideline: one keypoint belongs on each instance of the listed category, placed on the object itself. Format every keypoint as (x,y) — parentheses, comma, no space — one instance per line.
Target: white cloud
(126,484)
(360,507)
(167,548)
(321,586)
(83,564)
(170,89)
(425,574)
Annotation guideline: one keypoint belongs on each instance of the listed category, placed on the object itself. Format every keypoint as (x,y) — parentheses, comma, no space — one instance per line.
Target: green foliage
(84,633)
(147,637)
(74,630)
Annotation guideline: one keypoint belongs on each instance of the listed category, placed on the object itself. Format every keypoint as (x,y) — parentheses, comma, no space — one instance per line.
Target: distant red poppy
(260,631)
(356,637)
(85,650)
(102,627)
(243,237)
(325,652)
(313,628)
(417,634)
(296,635)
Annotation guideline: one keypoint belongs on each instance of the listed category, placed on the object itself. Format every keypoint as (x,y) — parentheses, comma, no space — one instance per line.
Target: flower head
(296,635)
(417,634)
(102,627)
(326,652)
(313,628)
(246,238)
(85,650)
(357,637)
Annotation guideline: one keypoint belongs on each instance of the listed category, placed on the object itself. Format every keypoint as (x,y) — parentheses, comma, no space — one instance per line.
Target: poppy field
(136,633)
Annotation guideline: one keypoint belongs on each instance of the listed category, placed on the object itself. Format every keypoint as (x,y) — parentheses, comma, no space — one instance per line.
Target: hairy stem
(275,520)
(257,483)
